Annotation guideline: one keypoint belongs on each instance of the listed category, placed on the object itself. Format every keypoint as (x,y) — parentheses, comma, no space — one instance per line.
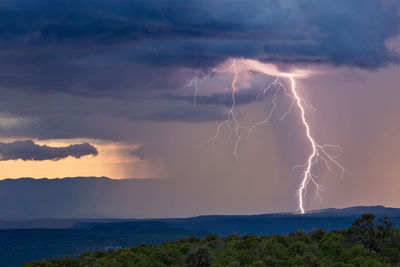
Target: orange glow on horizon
(114,161)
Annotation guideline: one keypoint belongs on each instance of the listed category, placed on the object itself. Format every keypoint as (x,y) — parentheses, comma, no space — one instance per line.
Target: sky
(108,88)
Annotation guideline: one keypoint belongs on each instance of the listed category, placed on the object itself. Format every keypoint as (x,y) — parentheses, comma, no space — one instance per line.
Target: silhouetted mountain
(325,218)
(265,224)
(357,210)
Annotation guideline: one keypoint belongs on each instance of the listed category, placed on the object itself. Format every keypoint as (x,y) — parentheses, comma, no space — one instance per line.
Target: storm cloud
(82,69)
(28,150)
(102,47)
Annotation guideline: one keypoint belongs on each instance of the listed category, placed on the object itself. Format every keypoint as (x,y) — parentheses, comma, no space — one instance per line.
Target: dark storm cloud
(81,69)
(28,150)
(50,116)
(242,97)
(210,114)
(91,47)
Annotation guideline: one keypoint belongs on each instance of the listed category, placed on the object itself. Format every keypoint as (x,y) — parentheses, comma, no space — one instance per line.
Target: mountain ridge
(89,197)
(68,223)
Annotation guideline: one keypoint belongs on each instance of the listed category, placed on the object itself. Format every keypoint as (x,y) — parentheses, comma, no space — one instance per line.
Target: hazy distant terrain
(99,197)
(263,224)
(71,237)
(78,197)
(93,197)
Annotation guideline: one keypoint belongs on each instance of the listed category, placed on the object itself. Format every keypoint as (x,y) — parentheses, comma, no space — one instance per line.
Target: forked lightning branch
(318,153)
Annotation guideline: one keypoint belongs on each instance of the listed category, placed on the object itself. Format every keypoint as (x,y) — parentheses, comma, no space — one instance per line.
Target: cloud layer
(90,47)
(28,150)
(79,62)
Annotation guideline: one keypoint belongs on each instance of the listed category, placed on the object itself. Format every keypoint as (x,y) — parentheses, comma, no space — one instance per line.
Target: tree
(199,257)
(372,233)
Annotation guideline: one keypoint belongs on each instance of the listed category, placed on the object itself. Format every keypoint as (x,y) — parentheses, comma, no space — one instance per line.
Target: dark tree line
(370,241)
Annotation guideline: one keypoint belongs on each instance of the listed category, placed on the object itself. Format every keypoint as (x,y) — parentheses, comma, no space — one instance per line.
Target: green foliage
(368,242)
(372,233)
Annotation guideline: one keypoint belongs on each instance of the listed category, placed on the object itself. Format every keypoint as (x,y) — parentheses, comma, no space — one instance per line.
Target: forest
(369,241)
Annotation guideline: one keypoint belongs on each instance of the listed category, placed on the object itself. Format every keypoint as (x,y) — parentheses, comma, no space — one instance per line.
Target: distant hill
(357,210)
(324,218)
(264,224)
(78,235)
(25,202)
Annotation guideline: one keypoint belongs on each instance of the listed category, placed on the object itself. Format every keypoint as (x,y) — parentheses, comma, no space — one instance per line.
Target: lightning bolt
(307,173)
(318,152)
(193,83)
(231,117)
